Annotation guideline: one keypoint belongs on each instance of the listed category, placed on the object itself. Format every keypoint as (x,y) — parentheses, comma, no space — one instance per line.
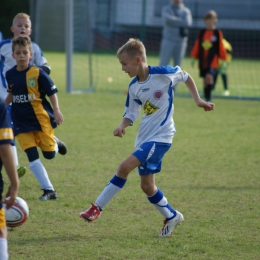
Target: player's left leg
(152,165)
(225,84)
(172,217)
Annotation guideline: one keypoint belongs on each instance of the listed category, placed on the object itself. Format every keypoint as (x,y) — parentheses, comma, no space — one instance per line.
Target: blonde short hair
(210,15)
(133,48)
(21,41)
(21,15)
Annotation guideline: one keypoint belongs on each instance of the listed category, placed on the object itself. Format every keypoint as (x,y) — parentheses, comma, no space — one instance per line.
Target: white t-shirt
(155,96)
(7,62)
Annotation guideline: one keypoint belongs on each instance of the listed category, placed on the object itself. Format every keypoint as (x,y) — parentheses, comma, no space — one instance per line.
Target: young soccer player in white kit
(151,90)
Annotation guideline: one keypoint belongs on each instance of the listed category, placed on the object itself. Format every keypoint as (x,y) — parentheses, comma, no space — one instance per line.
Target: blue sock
(162,205)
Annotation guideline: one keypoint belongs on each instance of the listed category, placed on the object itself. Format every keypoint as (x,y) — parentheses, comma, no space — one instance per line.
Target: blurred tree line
(8,10)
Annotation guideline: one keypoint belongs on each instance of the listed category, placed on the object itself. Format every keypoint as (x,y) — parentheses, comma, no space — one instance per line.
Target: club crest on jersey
(157,94)
(32,82)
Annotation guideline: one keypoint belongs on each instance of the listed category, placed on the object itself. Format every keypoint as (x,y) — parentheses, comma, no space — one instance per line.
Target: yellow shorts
(2,218)
(37,138)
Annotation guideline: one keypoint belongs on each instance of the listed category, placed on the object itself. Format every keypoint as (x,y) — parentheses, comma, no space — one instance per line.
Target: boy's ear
(12,29)
(138,59)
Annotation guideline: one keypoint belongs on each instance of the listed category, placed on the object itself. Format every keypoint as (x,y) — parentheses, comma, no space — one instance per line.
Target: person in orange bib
(208,49)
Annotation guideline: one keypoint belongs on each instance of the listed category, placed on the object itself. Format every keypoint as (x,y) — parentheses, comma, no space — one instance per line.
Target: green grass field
(211,175)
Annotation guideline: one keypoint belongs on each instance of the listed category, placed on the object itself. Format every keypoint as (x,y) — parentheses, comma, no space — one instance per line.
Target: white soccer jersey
(7,62)
(155,96)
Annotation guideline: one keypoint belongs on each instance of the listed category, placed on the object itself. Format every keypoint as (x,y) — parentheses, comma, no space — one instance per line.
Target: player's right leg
(28,142)
(111,189)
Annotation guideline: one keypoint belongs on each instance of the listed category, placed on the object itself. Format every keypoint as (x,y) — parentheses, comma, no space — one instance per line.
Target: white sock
(56,147)
(107,194)
(15,155)
(163,207)
(3,249)
(41,174)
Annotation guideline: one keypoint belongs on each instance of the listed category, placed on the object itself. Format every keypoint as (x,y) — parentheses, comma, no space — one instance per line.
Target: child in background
(33,117)
(21,26)
(6,159)
(208,49)
(152,90)
(222,69)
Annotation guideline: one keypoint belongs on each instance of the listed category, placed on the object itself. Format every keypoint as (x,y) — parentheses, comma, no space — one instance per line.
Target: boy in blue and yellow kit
(21,25)
(33,117)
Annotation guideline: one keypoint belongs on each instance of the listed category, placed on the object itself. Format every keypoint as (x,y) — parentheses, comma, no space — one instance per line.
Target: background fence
(100,27)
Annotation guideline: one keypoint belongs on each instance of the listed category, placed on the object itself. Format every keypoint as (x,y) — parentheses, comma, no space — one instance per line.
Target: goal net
(95,29)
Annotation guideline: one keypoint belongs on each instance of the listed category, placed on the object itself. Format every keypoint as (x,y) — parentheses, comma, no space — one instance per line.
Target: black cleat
(49,195)
(62,147)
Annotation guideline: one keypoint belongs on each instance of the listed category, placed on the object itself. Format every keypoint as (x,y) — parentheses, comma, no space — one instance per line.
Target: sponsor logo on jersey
(149,108)
(24,98)
(157,94)
(145,89)
(206,45)
(32,82)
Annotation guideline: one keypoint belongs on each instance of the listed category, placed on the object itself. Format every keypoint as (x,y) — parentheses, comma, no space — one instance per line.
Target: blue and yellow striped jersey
(31,111)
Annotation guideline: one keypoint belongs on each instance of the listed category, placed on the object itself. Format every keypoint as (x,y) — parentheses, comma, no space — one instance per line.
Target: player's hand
(58,116)
(206,105)
(119,132)
(10,197)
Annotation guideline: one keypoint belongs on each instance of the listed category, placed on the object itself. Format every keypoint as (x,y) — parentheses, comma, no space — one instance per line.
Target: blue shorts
(150,155)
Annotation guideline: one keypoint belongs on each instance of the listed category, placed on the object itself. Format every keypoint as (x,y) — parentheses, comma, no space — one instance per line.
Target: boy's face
(129,64)
(22,55)
(21,26)
(211,23)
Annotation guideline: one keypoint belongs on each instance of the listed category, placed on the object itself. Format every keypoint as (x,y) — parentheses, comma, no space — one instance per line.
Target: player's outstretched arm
(120,130)
(195,94)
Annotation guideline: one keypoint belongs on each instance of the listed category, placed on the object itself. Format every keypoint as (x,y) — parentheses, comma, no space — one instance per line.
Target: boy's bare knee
(148,189)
